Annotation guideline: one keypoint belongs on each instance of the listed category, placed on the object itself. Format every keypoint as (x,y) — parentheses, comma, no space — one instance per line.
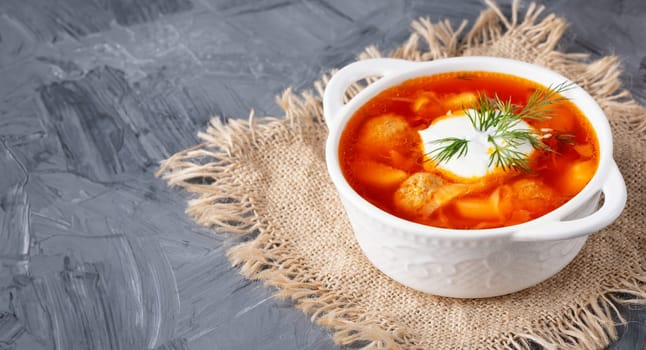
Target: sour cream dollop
(475,163)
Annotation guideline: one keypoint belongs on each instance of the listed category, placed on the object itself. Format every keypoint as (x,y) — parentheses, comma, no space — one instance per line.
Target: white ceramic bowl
(471,263)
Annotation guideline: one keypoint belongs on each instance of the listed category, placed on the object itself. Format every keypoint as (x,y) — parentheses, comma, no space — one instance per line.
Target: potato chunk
(378,174)
(576,176)
(487,208)
(463,100)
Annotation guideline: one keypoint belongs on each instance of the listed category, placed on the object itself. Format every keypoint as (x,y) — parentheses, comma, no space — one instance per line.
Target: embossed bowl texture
(471,263)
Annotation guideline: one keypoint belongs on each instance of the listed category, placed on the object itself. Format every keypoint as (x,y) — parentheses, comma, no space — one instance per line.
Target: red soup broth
(380,150)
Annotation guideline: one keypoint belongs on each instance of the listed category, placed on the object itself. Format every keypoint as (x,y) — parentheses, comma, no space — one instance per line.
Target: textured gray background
(96,253)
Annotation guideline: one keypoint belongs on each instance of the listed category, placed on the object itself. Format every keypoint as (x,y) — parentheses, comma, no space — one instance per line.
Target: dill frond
(456,147)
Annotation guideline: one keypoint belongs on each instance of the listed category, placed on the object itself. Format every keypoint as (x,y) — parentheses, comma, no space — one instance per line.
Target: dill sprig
(539,104)
(499,119)
(455,147)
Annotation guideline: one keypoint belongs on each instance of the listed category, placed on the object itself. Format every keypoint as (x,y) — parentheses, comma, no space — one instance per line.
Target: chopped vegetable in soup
(469,150)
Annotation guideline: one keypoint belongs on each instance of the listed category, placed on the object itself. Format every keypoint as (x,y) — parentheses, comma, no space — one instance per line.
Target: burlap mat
(266,178)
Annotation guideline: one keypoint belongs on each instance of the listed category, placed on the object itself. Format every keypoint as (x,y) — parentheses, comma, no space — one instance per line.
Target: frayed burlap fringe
(230,203)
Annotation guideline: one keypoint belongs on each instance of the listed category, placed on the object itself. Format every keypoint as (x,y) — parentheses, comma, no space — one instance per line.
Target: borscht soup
(469,150)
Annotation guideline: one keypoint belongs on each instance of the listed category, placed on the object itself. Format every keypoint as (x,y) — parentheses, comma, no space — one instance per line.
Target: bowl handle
(614,191)
(333,98)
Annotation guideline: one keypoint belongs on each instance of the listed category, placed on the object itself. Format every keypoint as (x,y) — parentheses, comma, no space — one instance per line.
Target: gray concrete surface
(95,252)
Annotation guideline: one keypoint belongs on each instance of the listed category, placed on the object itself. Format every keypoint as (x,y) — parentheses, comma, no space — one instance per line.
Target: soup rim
(395,72)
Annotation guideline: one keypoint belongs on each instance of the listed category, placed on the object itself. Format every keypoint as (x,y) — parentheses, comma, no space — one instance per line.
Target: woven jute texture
(265,179)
